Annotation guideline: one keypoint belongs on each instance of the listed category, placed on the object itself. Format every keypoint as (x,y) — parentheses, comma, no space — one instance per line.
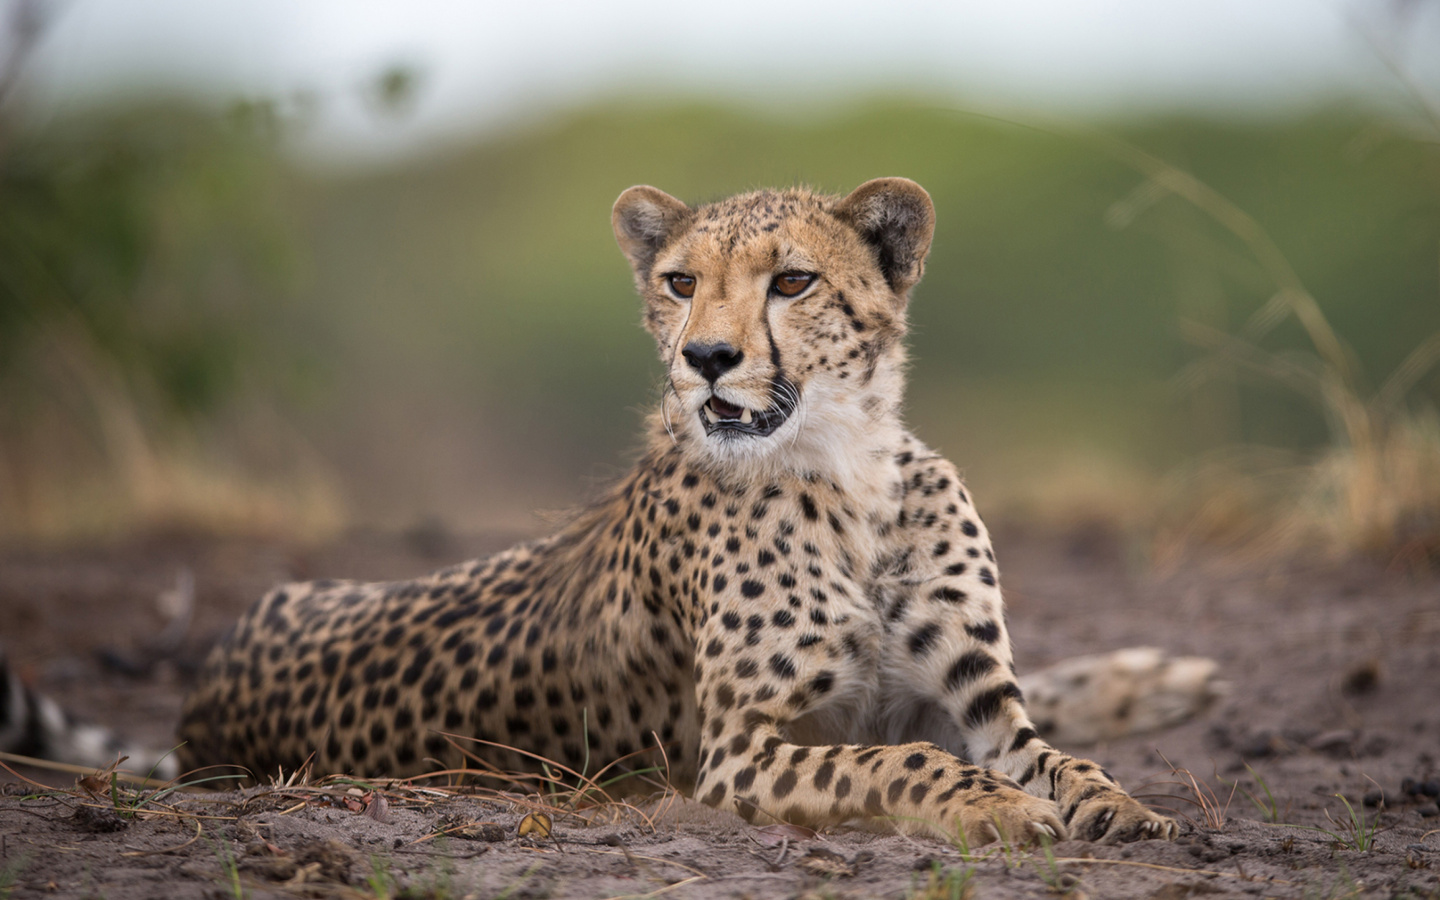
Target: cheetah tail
(34,725)
(1089,699)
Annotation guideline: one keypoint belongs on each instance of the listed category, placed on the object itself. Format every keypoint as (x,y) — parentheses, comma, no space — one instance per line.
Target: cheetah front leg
(917,787)
(948,646)
(754,686)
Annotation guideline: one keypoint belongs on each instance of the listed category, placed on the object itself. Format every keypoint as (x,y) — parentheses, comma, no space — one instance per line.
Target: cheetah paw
(1012,816)
(1117,818)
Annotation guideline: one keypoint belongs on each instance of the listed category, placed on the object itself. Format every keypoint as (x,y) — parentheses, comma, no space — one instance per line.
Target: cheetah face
(778,314)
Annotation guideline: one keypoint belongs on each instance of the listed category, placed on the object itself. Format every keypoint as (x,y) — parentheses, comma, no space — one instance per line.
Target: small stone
(1264,744)
(1362,677)
(1375,798)
(1336,743)
(1430,788)
(1429,811)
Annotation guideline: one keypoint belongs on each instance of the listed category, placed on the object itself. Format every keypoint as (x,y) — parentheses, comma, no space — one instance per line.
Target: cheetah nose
(711,360)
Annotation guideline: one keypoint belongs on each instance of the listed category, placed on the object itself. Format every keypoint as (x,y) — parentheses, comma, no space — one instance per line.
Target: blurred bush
(457,337)
(146,259)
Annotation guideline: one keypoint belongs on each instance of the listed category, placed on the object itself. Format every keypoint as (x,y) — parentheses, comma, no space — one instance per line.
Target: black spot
(915,761)
(923,639)
(724,697)
(948,594)
(955,569)
(751,589)
(842,787)
(897,787)
(989,632)
(824,774)
(969,667)
(986,576)
(745,778)
(987,706)
(942,548)
(730,619)
(807,506)
(969,528)
(784,784)
(1023,737)
(783,618)
(782,665)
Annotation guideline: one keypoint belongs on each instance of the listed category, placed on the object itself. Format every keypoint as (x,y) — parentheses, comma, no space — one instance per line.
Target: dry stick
(70,769)
(198,827)
(162,811)
(1145,865)
(658,892)
(628,855)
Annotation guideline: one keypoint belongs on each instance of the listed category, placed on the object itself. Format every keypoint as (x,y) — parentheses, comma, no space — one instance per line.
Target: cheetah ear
(644,218)
(896,217)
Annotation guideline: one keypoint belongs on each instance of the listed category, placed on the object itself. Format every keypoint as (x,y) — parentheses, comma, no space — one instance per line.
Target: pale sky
(490,62)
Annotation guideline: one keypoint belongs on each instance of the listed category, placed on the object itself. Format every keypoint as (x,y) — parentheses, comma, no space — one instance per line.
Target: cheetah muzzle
(789,592)
(720,417)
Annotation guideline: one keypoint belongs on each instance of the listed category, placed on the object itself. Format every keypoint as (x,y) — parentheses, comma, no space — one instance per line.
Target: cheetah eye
(791,284)
(682,285)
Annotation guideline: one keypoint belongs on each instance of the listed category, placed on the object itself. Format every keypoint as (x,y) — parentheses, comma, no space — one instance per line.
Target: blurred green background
(201,329)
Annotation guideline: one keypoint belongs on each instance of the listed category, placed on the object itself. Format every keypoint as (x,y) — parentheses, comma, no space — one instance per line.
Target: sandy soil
(1335,674)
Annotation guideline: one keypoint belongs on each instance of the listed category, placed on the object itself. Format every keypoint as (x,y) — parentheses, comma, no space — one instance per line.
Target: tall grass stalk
(1375,484)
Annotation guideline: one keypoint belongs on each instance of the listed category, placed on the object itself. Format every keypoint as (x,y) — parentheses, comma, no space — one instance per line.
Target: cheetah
(789,596)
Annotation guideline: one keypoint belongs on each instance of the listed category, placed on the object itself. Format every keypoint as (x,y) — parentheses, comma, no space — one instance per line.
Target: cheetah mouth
(723,417)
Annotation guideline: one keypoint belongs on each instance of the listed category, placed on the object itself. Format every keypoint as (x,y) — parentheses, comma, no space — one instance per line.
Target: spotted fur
(809,620)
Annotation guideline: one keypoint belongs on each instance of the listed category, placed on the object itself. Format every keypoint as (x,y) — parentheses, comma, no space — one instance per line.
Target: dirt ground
(1335,692)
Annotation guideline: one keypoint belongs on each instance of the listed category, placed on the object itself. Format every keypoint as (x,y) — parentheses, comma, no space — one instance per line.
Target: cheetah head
(778,314)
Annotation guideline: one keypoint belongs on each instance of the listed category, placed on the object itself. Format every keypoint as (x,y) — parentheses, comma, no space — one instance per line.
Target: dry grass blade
(1203,797)
(199,827)
(581,795)
(83,771)
(1376,485)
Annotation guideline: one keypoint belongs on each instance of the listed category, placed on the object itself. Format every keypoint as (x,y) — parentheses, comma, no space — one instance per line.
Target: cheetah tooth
(746,417)
(710,414)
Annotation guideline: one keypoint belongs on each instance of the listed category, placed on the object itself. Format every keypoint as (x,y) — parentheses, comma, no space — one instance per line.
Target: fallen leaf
(820,861)
(377,808)
(95,785)
(536,823)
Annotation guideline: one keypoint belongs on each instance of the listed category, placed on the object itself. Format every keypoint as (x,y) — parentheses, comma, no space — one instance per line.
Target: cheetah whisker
(665,396)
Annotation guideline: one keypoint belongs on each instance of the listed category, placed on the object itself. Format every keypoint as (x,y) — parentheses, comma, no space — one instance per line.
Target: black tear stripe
(774,348)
